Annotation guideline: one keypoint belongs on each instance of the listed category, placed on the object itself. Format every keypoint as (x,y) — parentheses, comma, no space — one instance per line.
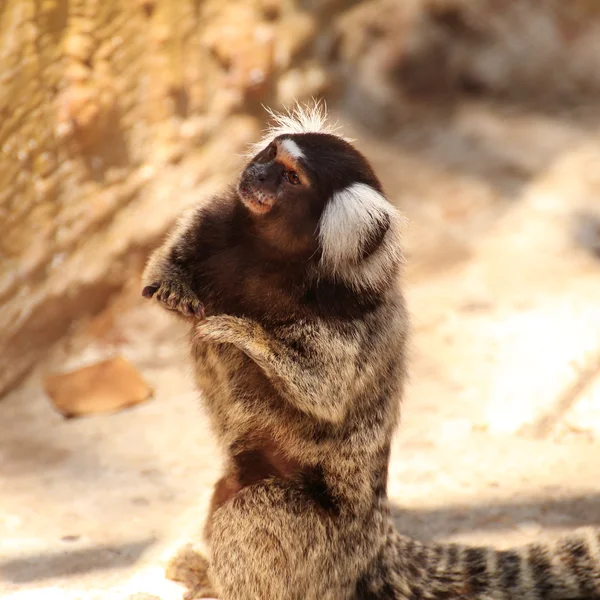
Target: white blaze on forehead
(349,221)
(292,148)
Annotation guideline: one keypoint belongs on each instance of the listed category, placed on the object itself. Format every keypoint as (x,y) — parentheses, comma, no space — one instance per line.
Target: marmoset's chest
(238,396)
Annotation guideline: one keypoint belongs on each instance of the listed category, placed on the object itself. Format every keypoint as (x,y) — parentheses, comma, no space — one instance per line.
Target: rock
(107,386)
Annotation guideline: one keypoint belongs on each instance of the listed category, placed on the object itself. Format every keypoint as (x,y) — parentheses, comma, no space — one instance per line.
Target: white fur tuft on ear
(349,221)
(307,118)
(353,217)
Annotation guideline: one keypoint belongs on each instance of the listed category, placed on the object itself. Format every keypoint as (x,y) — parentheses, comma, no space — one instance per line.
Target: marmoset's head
(314,194)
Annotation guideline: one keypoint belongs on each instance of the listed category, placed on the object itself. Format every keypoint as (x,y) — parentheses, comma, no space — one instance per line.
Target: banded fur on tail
(566,569)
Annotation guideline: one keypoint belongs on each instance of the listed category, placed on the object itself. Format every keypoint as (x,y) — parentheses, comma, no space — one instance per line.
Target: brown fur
(299,355)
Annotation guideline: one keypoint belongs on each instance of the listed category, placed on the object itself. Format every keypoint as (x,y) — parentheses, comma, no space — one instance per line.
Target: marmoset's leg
(274,540)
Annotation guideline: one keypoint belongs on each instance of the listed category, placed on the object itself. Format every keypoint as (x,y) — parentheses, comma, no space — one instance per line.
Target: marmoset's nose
(259,172)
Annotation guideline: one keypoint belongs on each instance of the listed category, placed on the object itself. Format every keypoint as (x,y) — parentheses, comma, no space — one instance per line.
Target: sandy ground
(500,440)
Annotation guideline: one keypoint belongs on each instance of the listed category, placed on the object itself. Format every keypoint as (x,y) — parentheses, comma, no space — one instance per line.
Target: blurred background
(481,117)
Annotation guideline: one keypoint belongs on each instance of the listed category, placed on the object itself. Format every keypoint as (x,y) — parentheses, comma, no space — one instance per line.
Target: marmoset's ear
(353,225)
(359,235)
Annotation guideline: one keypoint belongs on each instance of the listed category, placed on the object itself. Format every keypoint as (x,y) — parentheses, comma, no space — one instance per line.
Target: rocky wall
(404,58)
(113,117)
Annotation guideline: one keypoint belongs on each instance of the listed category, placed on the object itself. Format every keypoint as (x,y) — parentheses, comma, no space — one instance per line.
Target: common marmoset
(290,283)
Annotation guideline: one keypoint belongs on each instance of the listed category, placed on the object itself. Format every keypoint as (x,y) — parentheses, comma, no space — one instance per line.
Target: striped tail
(568,569)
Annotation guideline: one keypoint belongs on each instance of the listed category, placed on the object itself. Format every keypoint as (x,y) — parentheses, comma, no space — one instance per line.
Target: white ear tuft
(307,118)
(350,219)
(353,218)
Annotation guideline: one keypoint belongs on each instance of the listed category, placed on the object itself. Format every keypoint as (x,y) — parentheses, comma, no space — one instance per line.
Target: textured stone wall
(113,117)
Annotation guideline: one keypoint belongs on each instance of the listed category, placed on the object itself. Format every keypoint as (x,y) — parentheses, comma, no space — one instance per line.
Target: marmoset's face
(299,173)
(276,176)
(288,185)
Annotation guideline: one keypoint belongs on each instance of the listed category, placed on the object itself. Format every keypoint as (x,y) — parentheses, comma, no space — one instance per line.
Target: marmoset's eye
(292,177)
